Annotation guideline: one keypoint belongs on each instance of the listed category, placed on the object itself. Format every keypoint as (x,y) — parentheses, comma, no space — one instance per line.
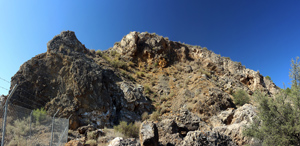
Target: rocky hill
(189,87)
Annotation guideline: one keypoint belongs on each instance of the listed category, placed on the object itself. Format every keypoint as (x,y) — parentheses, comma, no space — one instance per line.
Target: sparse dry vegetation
(145,116)
(155,116)
(129,130)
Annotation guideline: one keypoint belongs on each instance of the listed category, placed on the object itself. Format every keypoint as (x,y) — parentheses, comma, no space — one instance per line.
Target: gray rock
(200,138)
(187,121)
(148,134)
(119,141)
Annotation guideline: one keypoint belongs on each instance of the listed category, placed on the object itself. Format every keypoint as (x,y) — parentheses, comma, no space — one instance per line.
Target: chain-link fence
(25,127)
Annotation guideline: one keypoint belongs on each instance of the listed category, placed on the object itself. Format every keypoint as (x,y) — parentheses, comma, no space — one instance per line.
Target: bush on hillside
(99,52)
(155,116)
(268,78)
(129,130)
(241,97)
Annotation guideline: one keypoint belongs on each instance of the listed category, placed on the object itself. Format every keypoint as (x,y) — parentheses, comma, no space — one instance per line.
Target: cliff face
(68,78)
(190,87)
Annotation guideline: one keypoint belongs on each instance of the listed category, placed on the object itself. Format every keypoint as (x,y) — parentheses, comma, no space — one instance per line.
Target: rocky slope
(188,86)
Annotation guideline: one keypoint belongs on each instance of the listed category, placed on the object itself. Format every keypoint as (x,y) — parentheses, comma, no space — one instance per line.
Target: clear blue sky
(262,35)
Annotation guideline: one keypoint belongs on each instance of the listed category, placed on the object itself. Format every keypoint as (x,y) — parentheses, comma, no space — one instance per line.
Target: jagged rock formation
(189,86)
(68,78)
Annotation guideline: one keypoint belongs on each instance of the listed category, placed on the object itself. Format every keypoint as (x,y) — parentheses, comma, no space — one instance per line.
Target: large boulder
(148,134)
(200,138)
(187,121)
(168,131)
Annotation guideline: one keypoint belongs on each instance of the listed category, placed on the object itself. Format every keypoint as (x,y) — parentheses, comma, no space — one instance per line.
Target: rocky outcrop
(148,134)
(232,122)
(148,49)
(200,138)
(68,78)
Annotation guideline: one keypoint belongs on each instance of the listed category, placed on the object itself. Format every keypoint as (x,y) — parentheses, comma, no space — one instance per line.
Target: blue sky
(262,35)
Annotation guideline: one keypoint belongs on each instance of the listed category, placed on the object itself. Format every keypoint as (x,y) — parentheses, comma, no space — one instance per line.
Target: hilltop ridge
(143,73)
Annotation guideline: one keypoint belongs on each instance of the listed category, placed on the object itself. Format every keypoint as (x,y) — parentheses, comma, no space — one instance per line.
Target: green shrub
(228,58)
(113,53)
(145,116)
(140,74)
(186,82)
(130,78)
(99,52)
(39,115)
(240,97)
(19,127)
(268,78)
(163,110)
(155,116)
(202,71)
(156,64)
(18,141)
(171,94)
(147,89)
(91,135)
(129,130)
(119,64)
(17,131)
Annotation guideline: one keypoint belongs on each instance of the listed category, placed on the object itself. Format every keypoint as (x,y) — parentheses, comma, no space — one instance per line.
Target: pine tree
(278,119)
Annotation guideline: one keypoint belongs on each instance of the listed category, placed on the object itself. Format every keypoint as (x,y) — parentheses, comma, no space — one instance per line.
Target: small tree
(241,97)
(278,120)
(269,78)
(39,115)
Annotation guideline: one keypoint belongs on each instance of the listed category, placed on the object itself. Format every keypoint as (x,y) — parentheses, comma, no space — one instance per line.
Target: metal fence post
(52,127)
(64,131)
(5,113)
(30,121)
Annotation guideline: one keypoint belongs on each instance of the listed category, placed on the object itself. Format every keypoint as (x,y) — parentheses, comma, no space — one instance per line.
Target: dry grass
(91,142)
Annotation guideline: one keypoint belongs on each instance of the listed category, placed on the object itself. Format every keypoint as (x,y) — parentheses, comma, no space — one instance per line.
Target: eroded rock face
(148,134)
(69,79)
